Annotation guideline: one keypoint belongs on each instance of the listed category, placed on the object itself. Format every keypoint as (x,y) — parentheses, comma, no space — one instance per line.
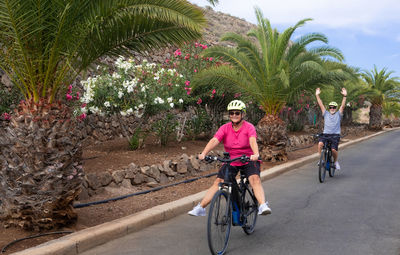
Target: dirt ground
(115,155)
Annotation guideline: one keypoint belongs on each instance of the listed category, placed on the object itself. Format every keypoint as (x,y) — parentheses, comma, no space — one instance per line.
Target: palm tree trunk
(347,116)
(41,168)
(375,117)
(272,138)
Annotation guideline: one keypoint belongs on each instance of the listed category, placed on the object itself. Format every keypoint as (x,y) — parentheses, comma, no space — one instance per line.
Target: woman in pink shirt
(239,137)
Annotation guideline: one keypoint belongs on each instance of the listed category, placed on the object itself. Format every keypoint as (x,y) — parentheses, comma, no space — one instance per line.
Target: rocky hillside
(218,24)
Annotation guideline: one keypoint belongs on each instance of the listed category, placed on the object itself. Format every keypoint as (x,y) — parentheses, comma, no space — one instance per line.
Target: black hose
(34,236)
(141,192)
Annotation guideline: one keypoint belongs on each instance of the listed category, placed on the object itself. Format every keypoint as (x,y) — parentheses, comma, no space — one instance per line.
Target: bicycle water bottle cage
(226,155)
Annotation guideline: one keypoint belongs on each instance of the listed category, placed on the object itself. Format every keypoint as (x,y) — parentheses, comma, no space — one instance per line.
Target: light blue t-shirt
(332,122)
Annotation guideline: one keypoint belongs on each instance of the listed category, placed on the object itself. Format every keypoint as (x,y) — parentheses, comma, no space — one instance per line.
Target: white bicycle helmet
(237,105)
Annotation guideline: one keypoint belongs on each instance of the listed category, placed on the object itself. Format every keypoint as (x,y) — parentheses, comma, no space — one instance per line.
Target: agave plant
(273,70)
(45,45)
(381,89)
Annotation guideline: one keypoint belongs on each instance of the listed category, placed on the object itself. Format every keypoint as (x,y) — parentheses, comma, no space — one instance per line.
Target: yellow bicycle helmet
(237,105)
(333,104)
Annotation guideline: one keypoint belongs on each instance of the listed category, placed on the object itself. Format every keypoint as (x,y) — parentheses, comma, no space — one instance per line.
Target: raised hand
(344,92)
(317,91)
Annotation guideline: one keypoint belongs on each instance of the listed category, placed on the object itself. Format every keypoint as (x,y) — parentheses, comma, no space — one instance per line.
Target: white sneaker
(264,209)
(337,166)
(197,211)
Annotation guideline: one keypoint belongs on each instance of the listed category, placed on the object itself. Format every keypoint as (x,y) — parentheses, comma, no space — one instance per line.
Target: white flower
(129,111)
(140,106)
(158,100)
(94,109)
(180,100)
(169,99)
(172,105)
(120,93)
(107,104)
(122,113)
(115,75)
(137,114)
(156,78)
(84,110)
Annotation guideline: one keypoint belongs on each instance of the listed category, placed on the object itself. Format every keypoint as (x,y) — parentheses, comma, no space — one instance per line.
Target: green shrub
(200,123)
(137,139)
(165,129)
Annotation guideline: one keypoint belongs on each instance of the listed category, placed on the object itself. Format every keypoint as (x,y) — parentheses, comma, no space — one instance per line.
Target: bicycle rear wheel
(321,166)
(332,167)
(219,222)
(250,211)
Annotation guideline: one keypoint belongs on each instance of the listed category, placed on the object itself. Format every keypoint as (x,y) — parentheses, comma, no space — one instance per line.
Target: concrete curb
(86,239)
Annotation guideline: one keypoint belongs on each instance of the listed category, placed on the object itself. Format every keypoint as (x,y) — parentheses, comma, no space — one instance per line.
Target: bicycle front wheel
(332,167)
(219,222)
(321,167)
(250,211)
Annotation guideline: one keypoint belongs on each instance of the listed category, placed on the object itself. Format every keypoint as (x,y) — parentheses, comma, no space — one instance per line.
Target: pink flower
(211,59)
(199,101)
(213,92)
(6,116)
(178,53)
(69,97)
(83,105)
(187,83)
(195,70)
(187,56)
(237,95)
(188,90)
(196,45)
(82,116)
(167,61)
(308,106)
(289,109)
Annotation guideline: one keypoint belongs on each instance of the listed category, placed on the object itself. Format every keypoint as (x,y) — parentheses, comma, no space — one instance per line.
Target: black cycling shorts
(249,169)
(334,138)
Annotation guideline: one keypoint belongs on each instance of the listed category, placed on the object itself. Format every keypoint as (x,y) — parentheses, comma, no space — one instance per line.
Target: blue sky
(367,32)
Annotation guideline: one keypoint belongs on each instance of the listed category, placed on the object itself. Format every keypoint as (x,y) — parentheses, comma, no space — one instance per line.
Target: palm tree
(273,70)
(45,45)
(381,88)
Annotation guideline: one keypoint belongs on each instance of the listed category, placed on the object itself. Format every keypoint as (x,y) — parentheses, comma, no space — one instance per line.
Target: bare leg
(335,154)
(320,145)
(210,193)
(258,189)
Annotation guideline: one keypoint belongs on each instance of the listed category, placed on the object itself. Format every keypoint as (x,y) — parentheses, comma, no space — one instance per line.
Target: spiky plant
(273,70)
(45,45)
(381,88)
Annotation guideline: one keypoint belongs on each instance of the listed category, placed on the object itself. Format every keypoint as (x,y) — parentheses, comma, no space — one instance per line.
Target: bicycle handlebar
(242,158)
(322,135)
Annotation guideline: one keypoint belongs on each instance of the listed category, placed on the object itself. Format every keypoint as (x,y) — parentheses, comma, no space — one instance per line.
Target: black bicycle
(233,204)
(326,161)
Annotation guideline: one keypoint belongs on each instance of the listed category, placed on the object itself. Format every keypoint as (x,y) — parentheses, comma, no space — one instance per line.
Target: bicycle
(326,161)
(233,204)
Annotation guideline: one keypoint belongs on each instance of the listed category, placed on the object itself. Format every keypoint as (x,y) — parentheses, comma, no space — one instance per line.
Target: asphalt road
(356,212)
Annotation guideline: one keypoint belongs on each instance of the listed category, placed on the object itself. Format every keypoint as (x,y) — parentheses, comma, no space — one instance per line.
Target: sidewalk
(86,239)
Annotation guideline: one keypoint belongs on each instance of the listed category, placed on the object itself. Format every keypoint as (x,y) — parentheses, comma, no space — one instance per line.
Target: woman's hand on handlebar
(255,157)
(201,156)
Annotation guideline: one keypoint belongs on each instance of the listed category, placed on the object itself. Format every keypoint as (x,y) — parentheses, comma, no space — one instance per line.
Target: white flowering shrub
(134,89)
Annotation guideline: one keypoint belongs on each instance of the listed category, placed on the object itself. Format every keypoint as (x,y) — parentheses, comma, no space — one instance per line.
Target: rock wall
(146,176)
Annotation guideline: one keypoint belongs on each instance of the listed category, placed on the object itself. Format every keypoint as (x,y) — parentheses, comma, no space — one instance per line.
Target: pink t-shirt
(236,142)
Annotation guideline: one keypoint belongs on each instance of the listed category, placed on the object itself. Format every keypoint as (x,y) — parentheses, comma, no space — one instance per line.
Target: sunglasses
(332,107)
(235,113)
